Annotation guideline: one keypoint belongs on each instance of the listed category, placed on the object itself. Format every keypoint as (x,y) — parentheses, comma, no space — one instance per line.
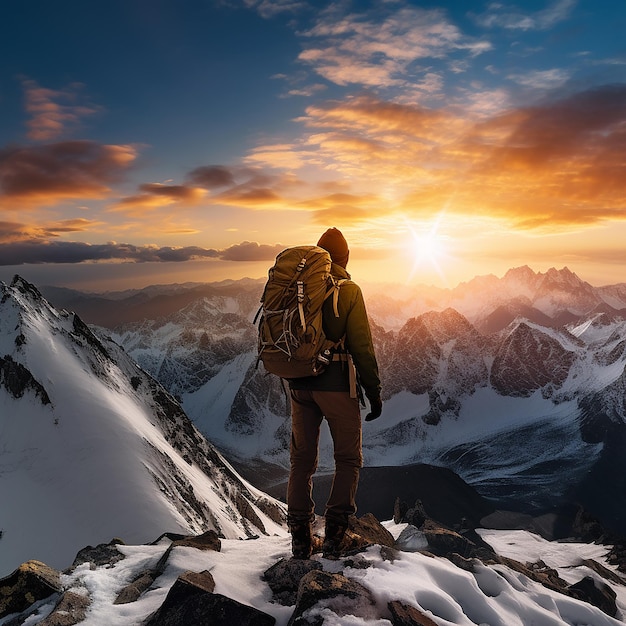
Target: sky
(161,141)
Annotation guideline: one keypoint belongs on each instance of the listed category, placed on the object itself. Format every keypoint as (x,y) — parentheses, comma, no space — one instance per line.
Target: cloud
(251,251)
(580,129)
(381,51)
(542,79)
(271,8)
(342,208)
(555,164)
(250,197)
(158,195)
(16,231)
(54,112)
(21,244)
(212,176)
(500,15)
(50,173)
(19,253)
(252,187)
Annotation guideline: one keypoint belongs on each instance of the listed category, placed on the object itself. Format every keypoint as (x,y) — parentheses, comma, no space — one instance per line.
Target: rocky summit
(196,580)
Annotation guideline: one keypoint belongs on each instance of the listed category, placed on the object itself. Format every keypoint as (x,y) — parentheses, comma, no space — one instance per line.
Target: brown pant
(342,412)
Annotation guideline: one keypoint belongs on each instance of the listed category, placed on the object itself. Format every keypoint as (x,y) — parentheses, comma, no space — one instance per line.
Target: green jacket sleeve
(353,323)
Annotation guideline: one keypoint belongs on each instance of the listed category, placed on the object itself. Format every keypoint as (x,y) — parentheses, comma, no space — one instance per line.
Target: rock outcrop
(318,588)
(30,582)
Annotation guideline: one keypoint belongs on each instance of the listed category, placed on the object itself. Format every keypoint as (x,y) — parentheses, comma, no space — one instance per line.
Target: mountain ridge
(98,446)
(452,379)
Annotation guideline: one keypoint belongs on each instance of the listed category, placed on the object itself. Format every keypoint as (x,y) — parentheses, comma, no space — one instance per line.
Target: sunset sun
(427,248)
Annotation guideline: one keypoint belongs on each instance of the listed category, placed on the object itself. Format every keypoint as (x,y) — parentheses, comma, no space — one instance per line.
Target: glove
(376,408)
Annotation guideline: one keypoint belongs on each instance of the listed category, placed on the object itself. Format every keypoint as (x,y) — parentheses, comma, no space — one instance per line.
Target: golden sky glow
(443,142)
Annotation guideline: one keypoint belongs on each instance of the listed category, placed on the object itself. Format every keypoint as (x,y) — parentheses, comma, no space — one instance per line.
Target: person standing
(333,396)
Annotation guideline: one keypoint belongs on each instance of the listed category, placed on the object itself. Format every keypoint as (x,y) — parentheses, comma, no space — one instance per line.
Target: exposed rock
(283,578)
(605,572)
(527,360)
(341,595)
(399,510)
(365,531)
(206,541)
(411,539)
(70,609)
(617,556)
(597,593)
(170,536)
(139,585)
(202,580)
(18,380)
(419,487)
(102,554)
(539,572)
(191,600)
(30,582)
(415,516)
(407,615)
(273,510)
(244,506)
(469,565)
(443,541)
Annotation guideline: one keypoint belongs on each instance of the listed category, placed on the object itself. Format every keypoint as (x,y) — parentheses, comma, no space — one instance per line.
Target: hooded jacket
(353,326)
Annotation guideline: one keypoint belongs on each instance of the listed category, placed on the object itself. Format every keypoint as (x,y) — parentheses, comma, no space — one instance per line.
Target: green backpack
(291,340)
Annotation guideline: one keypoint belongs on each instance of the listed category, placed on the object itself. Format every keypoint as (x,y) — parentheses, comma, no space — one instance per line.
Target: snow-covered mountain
(516,383)
(92,447)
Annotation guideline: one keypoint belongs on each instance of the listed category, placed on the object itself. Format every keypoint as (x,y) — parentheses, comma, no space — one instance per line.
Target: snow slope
(103,451)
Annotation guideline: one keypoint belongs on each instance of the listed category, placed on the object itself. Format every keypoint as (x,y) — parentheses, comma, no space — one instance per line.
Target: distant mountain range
(93,447)
(516,383)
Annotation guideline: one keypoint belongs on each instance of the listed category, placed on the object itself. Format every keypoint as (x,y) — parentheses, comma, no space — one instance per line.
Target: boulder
(143,581)
(617,556)
(139,585)
(443,542)
(206,541)
(102,554)
(70,609)
(411,539)
(283,578)
(595,592)
(30,582)
(407,615)
(191,601)
(363,532)
(341,595)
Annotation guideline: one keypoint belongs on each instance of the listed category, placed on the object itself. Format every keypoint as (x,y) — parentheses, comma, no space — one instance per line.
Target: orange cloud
(251,197)
(550,165)
(16,231)
(157,195)
(53,112)
(48,174)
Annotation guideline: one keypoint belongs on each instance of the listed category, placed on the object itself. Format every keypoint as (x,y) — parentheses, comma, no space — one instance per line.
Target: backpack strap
(300,292)
(334,292)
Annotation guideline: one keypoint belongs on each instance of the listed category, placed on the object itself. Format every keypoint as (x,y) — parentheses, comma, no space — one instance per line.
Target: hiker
(332,395)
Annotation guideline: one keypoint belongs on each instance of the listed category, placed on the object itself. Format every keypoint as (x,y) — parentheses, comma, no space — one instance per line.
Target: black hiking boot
(301,540)
(333,537)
